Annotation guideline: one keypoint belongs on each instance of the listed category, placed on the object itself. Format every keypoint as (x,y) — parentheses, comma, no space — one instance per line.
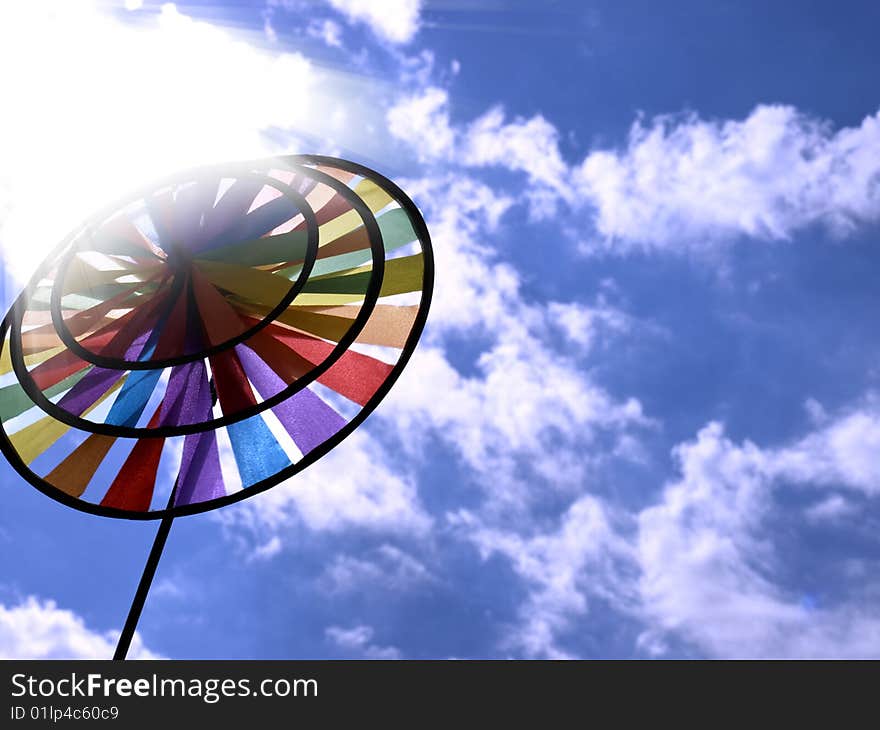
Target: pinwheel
(209,337)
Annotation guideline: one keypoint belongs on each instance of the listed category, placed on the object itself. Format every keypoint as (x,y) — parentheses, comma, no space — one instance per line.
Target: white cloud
(354,486)
(831,508)
(687,182)
(476,291)
(530,146)
(708,567)
(843,453)
(585,326)
(710,564)
(37,629)
(329,31)
(422,121)
(681,182)
(268,549)
(396,21)
(472,290)
(701,556)
(386,568)
(523,424)
(358,639)
(582,557)
(701,567)
(815,411)
(527,412)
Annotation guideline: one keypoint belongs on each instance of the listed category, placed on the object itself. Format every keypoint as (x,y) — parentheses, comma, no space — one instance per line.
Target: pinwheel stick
(140,596)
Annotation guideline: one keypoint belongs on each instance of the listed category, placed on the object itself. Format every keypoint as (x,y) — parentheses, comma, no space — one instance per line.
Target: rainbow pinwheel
(209,337)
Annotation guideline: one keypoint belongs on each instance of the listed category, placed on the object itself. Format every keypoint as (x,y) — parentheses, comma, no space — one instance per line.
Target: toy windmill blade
(210,336)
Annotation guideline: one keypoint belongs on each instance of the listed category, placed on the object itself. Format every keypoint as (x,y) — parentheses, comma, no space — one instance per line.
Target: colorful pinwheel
(205,339)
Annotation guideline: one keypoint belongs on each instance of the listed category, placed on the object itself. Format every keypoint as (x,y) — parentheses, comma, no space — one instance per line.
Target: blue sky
(644,416)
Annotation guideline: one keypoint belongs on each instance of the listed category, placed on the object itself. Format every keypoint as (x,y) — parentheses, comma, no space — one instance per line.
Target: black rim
(418,326)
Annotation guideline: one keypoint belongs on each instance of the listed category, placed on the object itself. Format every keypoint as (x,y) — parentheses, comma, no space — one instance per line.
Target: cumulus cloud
(473,288)
(327,31)
(681,183)
(587,326)
(529,146)
(354,486)
(477,292)
(582,557)
(833,508)
(358,639)
(395,21)
(39,629)
(422,120)
(710,567)
(268,549)
(527,410)
(843,453)
(701,567)
(387,566)
(526,419)
(689,182)
(701,554)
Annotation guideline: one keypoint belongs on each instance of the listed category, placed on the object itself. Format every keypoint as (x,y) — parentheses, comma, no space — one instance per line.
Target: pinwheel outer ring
(321,450)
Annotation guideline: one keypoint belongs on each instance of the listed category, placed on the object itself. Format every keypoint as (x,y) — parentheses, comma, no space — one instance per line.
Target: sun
(95,106)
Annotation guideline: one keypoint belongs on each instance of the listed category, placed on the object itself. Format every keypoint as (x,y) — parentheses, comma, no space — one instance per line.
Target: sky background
(644,417)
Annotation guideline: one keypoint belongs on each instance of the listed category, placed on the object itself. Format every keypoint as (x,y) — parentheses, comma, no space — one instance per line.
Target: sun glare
(94,108)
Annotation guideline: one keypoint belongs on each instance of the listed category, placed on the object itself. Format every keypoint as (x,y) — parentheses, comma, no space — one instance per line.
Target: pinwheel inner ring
(180,257)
